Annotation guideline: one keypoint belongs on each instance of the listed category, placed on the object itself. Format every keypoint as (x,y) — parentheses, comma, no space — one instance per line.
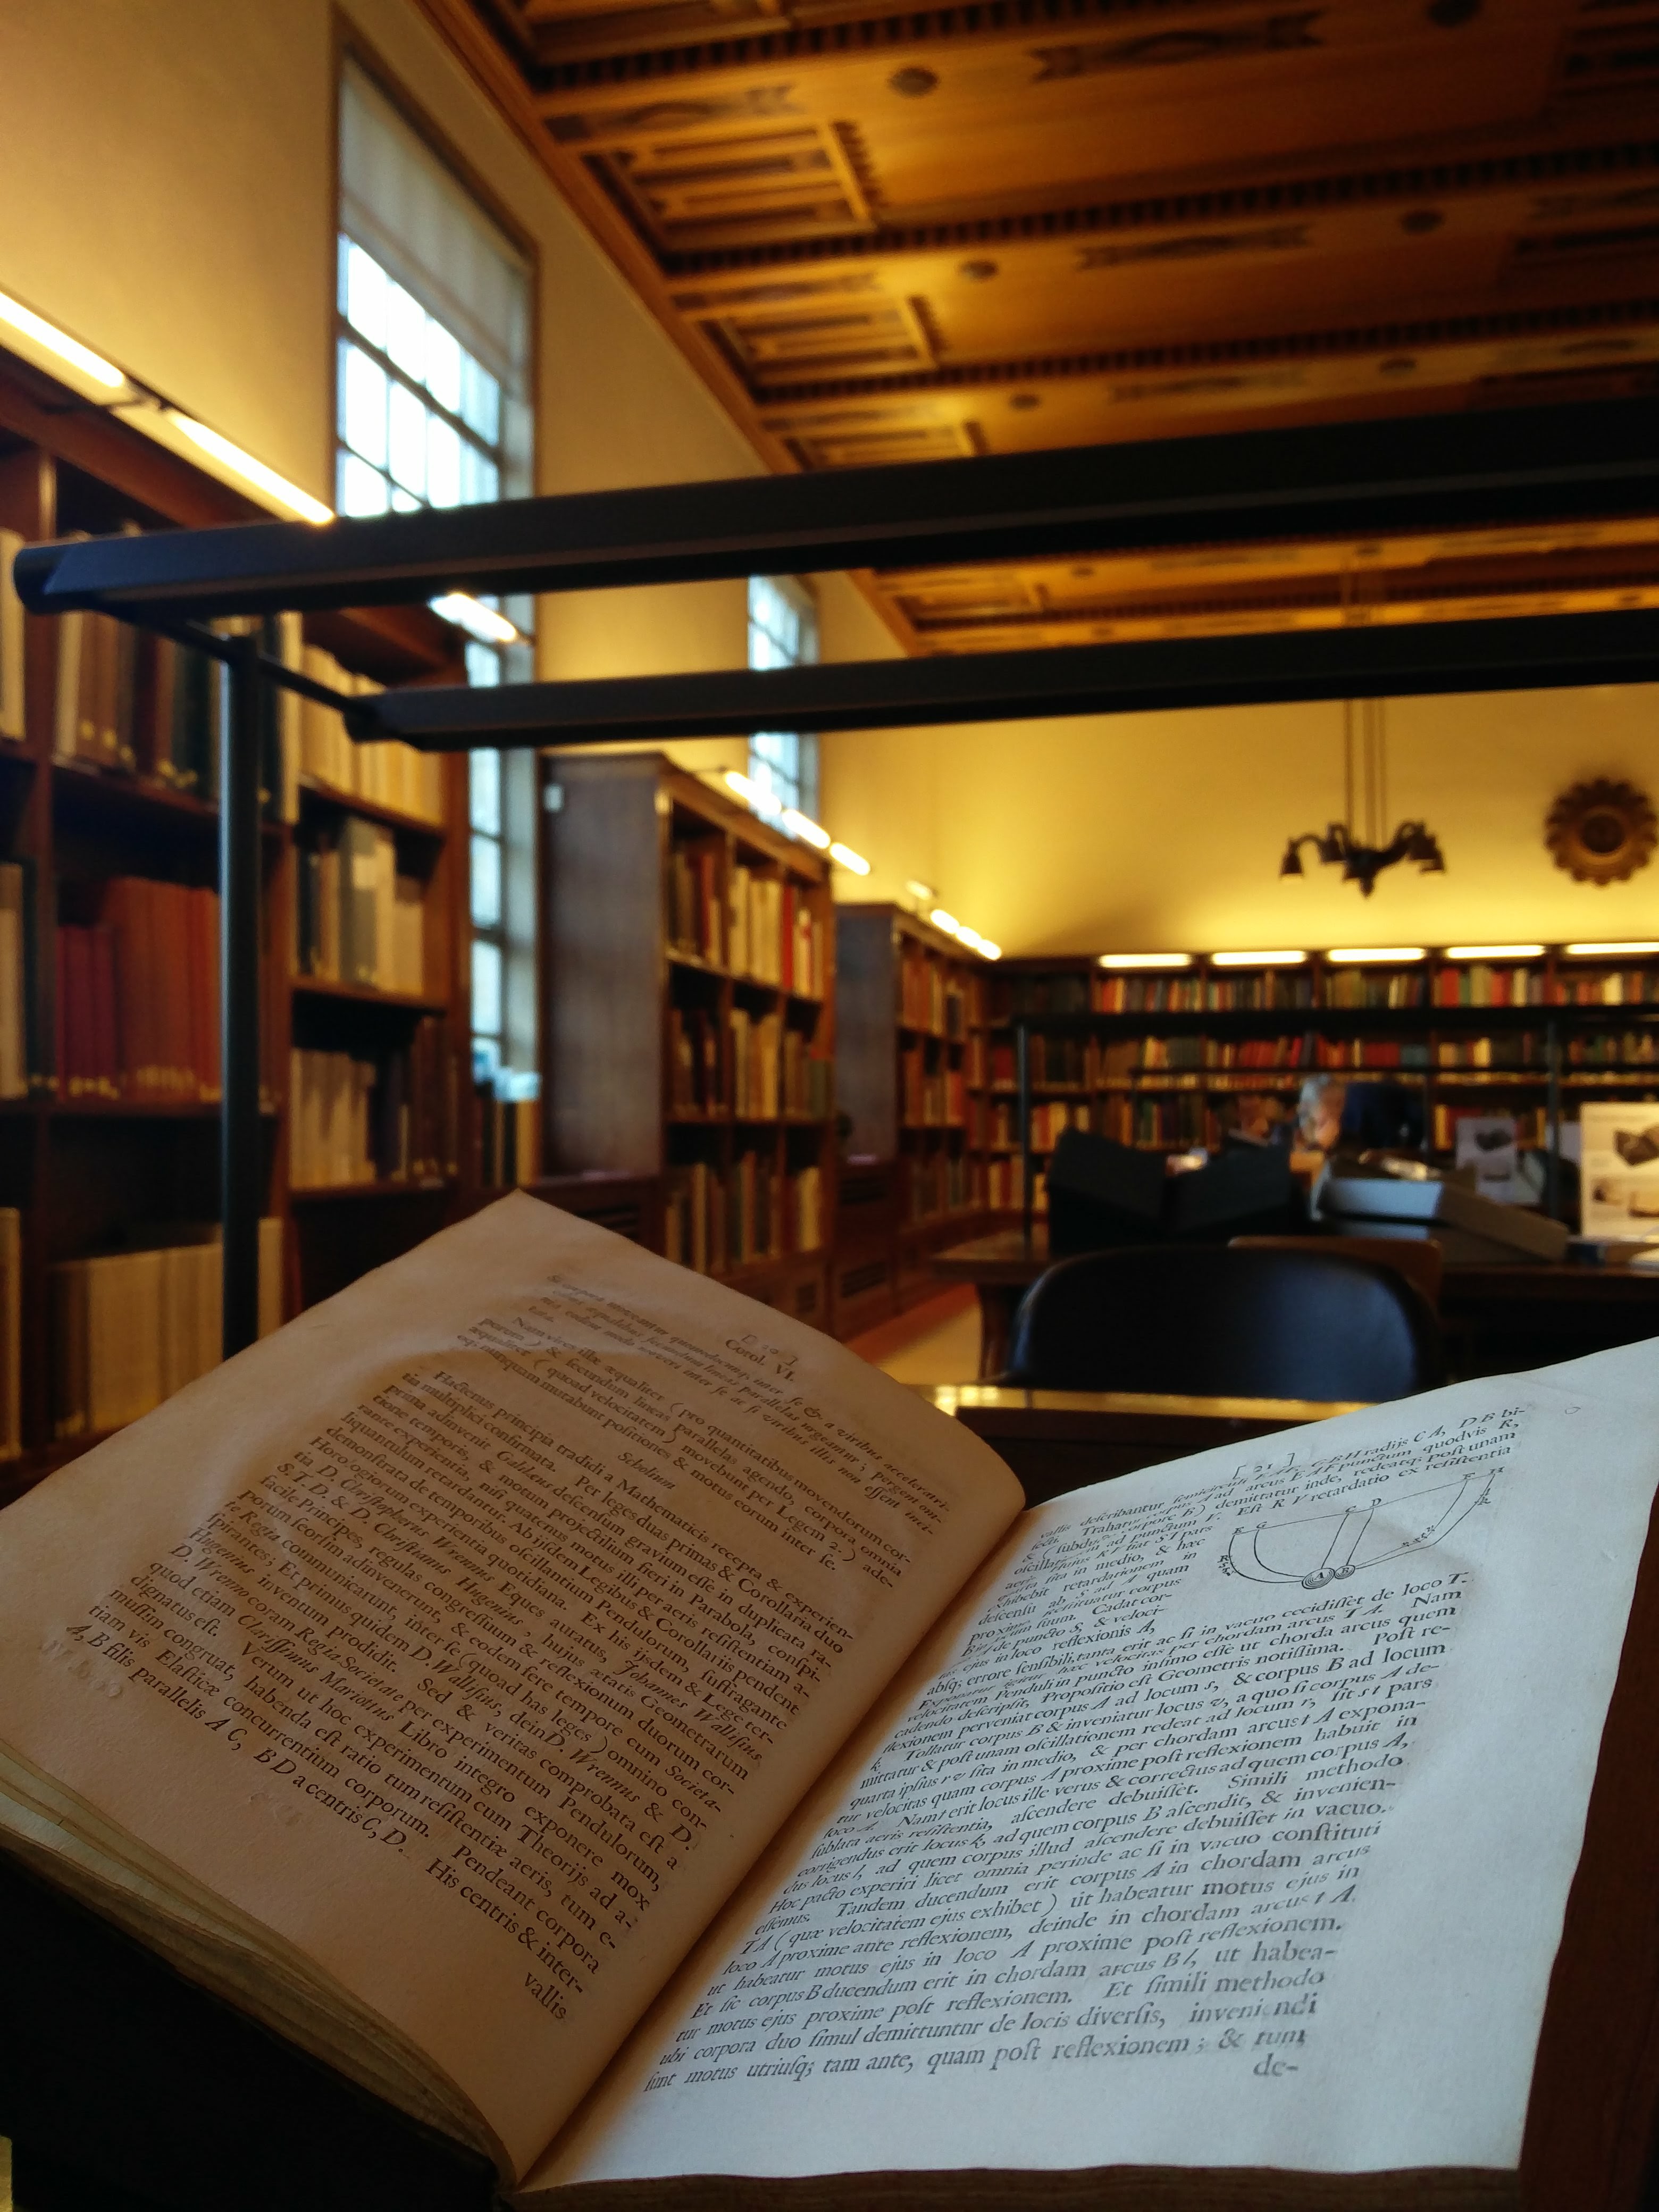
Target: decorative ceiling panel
(890,232)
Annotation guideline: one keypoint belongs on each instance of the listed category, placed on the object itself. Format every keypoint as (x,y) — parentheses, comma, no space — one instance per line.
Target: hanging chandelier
(1363,857)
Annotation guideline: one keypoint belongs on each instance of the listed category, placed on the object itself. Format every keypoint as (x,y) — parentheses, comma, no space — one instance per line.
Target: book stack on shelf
(915,1069)
(129,1328)
(691,1018)
(109,1033)
(1170,1050)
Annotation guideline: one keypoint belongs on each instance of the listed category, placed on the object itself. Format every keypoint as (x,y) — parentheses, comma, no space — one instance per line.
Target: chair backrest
(1418,1259)
(1225,1321)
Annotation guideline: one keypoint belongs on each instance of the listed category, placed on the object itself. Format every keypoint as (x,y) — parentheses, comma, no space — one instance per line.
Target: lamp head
(1292,863)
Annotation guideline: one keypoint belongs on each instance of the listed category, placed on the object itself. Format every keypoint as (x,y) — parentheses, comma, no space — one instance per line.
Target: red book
(103,1041)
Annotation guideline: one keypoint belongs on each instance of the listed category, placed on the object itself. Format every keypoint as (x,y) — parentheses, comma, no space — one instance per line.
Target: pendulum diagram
(1328,1547)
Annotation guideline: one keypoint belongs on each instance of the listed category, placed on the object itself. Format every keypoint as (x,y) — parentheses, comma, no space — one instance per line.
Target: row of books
(1048,1121)
(391,1119)
(1613,987)
(1531,1126)
(755,925)
(129,1328)
(356,919)
(1525,1050)
(774,934)
(931,996)
(388,774)
(1051,1060)
(1173,1121)
(1351,1054)
(1482,984)
(934,1097)
(1003,1187)
(14,968)
(11,1313)
(940,1182)
(1641,1046)
(714,1222)
(127,701)
(138,995)
(509,1140)
(1272,990)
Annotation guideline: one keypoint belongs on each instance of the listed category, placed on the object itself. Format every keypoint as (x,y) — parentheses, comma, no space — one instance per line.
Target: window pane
(362,488)
(404,502)
(484,663)
(407,440)
(486,884)
(365,288)
(362,405)
(443,463)
(486,787)
(481,401)
(481,480)
(405,331)
(443,367)
(486,989)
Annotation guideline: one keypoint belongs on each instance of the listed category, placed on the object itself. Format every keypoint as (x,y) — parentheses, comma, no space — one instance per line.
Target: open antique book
(595,1722)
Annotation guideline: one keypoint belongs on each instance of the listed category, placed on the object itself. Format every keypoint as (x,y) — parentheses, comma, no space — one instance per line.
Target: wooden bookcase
(677,1042)
(910,1070)
(93,1167)
(1162,1058)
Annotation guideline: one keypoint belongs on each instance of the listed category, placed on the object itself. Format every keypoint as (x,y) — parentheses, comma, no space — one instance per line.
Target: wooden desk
(1001,1268)
(1058,1440)
(1499,1320)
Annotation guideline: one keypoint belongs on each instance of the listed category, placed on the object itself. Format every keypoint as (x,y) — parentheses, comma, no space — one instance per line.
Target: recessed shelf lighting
(1612,951)
(1257,959)
(60,342)
(1146,960)
(1494,953)
(255,473)
(1372,956)
(845,857)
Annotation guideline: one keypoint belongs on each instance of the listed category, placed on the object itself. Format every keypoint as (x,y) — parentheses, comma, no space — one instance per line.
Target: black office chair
(1226,1323)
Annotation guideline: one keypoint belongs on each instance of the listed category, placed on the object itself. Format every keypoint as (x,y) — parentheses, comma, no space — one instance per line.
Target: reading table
(1058,1440)
(1497,1319)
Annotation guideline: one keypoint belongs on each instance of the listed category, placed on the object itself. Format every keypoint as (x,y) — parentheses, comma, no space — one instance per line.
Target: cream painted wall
(1145,832)
(166,174)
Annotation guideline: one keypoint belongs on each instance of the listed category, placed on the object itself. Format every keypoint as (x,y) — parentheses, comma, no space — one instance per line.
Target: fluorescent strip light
(805,828)
(947,922)
(1257,959)
(745,790)
(845,857)
(1372,956)
(991,952)
(1494,953)
(59,342)
(251,472)
(1146,960)
(923,892)
(971,937)
(488,626)
(1611,952)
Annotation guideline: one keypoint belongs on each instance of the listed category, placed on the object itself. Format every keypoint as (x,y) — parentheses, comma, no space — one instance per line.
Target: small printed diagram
(1328,1547)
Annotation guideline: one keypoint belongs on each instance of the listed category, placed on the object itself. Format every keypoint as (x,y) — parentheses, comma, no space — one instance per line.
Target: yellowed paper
(473,1635)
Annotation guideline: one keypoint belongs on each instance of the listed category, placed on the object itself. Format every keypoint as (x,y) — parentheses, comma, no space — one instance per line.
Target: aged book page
(428,1676)
(1228,1822)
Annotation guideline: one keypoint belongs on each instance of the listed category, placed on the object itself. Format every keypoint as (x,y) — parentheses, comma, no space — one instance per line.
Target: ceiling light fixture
(845,857)
(1494,953)
(251,472)
(1363,859)
(1374,956)
(487,624)
(1612,951)
(1146,960)
(1257,959)
(802,826)
(61,343)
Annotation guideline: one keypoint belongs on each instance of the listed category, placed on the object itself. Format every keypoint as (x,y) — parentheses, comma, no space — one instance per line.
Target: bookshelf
(912,1070)
(109,1045)
(689,965)
(1164,1058)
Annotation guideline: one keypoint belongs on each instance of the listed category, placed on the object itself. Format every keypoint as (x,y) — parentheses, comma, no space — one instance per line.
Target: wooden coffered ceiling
(894,234)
